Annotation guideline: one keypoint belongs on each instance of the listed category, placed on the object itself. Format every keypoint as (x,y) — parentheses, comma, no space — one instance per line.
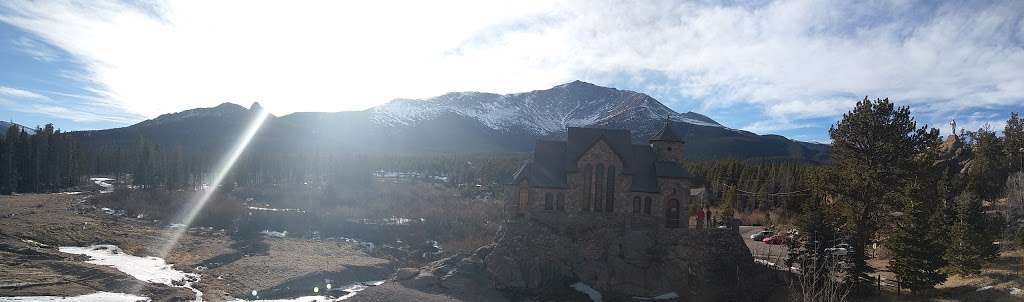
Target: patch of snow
(275,209)
(110,211)
(149,269)
(586,289)
(350,291)
(35,243)
(103,182)
(93,297)
(984,288)
(275,234)
(1016,291)
(393,220)
(73,193)
(366,245)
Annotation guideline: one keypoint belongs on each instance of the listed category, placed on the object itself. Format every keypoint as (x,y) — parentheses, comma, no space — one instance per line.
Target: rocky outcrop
(954,156)
(619,258)
(622,258)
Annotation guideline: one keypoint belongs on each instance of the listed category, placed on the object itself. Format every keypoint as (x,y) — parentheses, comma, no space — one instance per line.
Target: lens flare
(199,201)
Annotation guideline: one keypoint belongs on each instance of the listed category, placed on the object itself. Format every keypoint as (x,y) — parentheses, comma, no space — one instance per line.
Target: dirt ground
(996,282)
(1000,280)
(33,226)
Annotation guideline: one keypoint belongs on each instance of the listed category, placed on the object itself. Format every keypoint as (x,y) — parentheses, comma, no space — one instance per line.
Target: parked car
(841,249)
(761,235)
(775,239)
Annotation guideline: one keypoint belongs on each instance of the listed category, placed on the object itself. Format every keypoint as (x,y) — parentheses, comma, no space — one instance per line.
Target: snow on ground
(149,269)
(275,234)
(105,183)
(275,210)
(586,289)
(350,291)
(93,297)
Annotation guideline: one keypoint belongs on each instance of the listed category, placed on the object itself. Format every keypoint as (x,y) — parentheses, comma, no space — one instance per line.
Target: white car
(761,235)
(839,250)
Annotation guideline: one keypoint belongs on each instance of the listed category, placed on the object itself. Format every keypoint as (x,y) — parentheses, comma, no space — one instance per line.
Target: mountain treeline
(751,186)
(151,165)
(46,161)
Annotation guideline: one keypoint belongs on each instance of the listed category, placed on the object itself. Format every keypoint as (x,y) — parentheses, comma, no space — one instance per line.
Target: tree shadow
(255,246)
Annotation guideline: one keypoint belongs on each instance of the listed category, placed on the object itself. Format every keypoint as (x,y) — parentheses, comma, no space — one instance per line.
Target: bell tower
(667,145)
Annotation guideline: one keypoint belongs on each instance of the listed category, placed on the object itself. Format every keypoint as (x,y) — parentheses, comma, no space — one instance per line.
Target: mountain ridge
(464,122)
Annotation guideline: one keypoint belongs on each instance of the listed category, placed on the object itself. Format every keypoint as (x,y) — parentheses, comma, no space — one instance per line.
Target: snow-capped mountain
(540,112)
(459,122)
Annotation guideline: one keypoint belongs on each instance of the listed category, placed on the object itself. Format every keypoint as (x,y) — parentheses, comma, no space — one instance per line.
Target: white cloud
(20,93)
(35,49)
(792,59)
(774,125)
(76,115)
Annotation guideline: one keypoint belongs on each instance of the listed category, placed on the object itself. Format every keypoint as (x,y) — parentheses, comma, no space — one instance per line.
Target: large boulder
(619,256)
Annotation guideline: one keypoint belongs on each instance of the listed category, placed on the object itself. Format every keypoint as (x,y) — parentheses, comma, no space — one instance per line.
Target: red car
(776,239)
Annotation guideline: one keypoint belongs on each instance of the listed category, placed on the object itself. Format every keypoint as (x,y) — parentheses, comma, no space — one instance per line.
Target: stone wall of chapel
(600,153)
(540,195)
(674,188)
(656,210)
(668,151)
(575,194)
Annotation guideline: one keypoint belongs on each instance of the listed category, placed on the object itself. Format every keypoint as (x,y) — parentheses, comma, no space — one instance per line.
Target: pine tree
(728,202)
(818,230)
(1013,134)
(986,174)
(10,155)
(873,151)
(916,253)
(970,245)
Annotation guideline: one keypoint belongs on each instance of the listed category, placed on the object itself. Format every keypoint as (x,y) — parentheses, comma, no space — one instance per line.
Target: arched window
(588,174)
(560,203)
(647,205)
(636,205)
(548,202)
(609,197)
(599,188)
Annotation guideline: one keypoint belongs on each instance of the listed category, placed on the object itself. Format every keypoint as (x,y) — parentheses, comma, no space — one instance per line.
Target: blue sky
(788,67)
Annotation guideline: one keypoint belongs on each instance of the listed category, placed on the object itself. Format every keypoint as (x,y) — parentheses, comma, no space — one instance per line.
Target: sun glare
(202,197)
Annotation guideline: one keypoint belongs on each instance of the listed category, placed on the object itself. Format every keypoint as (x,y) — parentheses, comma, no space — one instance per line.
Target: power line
(748,193)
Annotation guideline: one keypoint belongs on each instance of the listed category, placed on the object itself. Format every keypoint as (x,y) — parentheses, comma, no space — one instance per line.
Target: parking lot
(760,250)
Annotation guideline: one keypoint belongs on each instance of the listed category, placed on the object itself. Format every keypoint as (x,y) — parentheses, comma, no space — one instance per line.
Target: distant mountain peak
(223,106)
(578,83)
(222,110)
(541,112)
